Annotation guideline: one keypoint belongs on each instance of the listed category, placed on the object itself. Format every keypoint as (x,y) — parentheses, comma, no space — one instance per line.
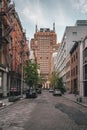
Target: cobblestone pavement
(13,117)
(44,113)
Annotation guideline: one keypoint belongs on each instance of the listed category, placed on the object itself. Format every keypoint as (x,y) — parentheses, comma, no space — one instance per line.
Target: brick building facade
(42,45)
(75,72)
(13,43)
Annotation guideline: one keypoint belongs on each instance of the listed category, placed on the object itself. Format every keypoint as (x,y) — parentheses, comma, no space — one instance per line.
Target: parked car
(51,90)
(57,92)
(31,93)
(39,90)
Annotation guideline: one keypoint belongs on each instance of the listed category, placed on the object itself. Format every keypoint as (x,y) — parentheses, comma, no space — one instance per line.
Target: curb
(10,104)
(81,104)
(6,106)
(76,102)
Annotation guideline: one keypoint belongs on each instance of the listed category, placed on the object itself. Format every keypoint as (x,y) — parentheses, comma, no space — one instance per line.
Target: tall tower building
(43,46)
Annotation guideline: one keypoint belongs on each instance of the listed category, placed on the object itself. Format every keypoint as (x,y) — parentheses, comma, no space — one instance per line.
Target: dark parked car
(39,90)
(57,92)
(31,93)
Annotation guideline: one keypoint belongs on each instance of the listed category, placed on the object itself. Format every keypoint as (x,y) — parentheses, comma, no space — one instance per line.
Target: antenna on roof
(54,26)
(36,28)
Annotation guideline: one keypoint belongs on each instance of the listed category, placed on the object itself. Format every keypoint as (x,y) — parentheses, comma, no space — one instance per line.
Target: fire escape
(6,11)
(5,18)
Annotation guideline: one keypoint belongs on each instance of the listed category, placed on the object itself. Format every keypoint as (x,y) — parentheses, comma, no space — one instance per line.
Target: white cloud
(44,14)
(80,5)
(34,13)
(62,17)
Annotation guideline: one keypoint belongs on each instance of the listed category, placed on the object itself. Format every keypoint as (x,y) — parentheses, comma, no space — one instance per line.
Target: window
(67,64)
(74,33)
(85,71)
(68,75)
(85,56)
(76,55)
(73,71)
(76,70)
(0,29)
(0,3)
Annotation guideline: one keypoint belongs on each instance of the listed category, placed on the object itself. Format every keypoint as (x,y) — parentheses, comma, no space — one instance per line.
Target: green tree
(31,73)
(53,79)
(40,80)
(57,82)
(60,85)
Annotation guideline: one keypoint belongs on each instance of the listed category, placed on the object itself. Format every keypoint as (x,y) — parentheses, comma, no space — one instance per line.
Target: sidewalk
(76,99)
(4,102)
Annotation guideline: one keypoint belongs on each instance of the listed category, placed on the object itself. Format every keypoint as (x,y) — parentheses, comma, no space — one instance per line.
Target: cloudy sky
(45,12)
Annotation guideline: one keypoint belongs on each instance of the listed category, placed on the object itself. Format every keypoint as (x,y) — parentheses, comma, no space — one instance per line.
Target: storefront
(3,81)
(15,83)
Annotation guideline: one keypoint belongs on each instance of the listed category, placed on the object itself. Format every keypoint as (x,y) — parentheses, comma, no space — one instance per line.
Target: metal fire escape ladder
(10,10)
(7,12)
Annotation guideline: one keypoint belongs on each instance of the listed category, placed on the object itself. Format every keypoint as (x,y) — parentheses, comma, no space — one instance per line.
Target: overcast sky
(45,12)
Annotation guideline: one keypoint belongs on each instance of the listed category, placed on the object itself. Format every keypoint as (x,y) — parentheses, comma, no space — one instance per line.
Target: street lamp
(22,73)
(10,69)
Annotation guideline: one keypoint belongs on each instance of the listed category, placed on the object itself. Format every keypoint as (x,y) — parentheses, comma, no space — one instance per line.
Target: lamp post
(10,69)
(22,73)
(22,54)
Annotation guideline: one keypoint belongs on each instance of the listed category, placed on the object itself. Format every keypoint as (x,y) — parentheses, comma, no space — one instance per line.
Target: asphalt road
(46,112)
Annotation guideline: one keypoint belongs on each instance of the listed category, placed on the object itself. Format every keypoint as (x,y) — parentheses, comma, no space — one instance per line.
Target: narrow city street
(46,112)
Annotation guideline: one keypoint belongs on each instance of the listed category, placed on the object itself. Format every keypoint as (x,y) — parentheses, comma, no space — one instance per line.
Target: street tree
(53,79)
(60,84)
(31,73)
(57,82)
(40,80)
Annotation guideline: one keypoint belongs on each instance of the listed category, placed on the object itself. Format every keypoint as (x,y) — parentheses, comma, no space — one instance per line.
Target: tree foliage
(57,82)
(31,73)
(53,79)
(60,84)
(40,80)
